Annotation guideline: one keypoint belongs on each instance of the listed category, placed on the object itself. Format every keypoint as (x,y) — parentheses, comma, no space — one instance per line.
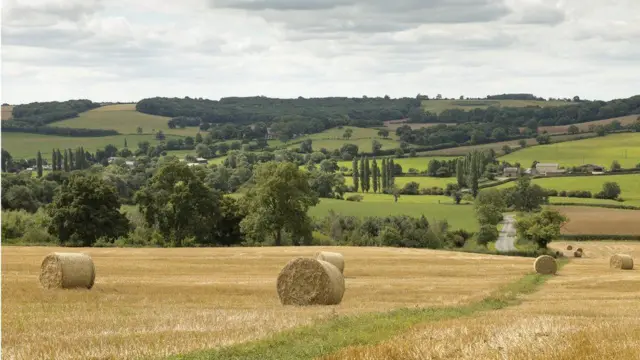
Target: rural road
(507,236)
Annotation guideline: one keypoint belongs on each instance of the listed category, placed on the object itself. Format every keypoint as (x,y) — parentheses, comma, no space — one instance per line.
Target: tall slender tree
(355,175)
(460,174)
(125,142)
(54,160)
(59,158)
(66,160)
(384,174)
(362,174)
(367,176)
(72,164)
(39,164)
(376,179)
(392,174)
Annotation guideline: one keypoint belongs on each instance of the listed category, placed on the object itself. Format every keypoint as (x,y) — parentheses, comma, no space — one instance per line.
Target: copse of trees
(15,125)
(41,113)
(515,96)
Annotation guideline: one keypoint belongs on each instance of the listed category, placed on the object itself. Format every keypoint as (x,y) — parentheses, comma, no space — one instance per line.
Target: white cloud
(120,50)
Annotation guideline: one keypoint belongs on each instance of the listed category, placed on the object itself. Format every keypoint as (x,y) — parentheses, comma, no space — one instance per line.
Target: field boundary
(311,341)
(607,206)
(595,237)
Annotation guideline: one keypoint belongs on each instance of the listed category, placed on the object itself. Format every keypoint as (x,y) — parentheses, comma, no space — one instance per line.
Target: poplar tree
(39,164)
(460,175)
(54,160)
(59,158)
(66,160)
(391,173)
(355,175)
(362,174)
(367,176)
(384,174)
(376,178)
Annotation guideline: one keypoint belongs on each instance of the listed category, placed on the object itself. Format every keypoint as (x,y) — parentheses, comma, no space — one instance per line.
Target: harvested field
(7,112)
(586,312)
(395,125)
(156,302)
(593,220)
(586,127)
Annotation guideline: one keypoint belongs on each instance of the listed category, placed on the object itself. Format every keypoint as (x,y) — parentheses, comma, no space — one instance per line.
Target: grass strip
(315,340)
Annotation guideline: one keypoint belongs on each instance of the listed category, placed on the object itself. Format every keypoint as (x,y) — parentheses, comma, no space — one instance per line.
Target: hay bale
(305,281)
(579,250)
(577,254)
(545,264)
(67,270)
(569,247)
(621,261)
(332,257)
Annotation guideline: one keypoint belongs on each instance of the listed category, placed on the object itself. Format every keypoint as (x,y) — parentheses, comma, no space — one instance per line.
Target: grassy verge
(325,338)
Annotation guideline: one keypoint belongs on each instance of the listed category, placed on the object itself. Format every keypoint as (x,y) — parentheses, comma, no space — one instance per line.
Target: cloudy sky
(117,50)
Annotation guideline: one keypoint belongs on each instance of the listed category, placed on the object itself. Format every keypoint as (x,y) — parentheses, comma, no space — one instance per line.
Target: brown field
(593,220)
(156,302)
(394,126)
(587,311)
(584,127)
(7,112)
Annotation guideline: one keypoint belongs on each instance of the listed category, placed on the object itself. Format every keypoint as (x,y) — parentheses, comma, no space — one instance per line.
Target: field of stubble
(151,303)
(587,311)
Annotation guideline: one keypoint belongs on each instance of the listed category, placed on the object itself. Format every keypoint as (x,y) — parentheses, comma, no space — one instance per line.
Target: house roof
(511,169)
(546,164)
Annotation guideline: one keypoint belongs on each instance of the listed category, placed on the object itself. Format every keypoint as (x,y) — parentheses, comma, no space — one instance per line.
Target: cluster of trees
(27,127)
(514,96)
(41,113)
(610,190)
(533,116)
(368,176)
(463,134)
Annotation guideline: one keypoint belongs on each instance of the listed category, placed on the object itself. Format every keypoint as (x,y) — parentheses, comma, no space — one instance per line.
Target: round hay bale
(67,271)
(621,261)
(569,247)
(577,254)
(305,281)
(579,250)
(545,264)
(332,257)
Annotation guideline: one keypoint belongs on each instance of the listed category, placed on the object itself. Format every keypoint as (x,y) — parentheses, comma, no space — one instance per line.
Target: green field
(437,106)
(600,151)
(23,145)
(458,216)
(629,185)
(364,145)
(558,200)
(424,181)
(124,119)
(419,163)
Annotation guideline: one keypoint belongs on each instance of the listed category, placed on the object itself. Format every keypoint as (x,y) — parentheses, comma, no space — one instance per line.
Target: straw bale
(579,250)
(545,264)
(569,247)
(621,261)
(67,270)
(577,254)
(332,257)
(306,281)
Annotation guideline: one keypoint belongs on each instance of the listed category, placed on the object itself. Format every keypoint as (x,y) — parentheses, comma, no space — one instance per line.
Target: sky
(117,50)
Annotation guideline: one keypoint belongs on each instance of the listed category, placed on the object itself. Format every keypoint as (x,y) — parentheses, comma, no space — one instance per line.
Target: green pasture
(424,181)
(601,151)
(418,163)
(25,145)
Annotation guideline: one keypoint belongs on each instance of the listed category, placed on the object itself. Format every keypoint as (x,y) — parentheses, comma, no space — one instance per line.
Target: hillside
(438,106)
(601,151)
(585,127)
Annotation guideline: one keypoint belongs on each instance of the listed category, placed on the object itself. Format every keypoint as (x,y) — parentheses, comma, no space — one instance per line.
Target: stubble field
(150,303)
(587,311)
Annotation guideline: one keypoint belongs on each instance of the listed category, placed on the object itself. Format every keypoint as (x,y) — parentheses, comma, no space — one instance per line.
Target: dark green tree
(125,142)
(367,174)
(6,160)
(355,175)
(383,174)
(541,227)
(391,175)
(84,209)
(54,160)
(66,160)
(375,177)
(278,203)
(39,164)
(363,185)
(59,159)
(72,161)
(460,173)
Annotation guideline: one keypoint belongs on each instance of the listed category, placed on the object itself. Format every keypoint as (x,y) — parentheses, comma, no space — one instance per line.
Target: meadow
(629,185)
(152,303)
(418,163)
(586,312)
(124,119)
(601,151)
(437,106)
(434,208)
(23,145)
(585,127)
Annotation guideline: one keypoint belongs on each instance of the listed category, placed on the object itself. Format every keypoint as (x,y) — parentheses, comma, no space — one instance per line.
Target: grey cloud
(280,5)
(23,13)
(542,15)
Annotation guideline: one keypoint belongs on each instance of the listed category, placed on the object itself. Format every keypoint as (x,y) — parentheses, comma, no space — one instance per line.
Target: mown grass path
(325,338)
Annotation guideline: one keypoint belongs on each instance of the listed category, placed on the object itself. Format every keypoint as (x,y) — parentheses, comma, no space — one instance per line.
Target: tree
(489,205)
(355,174)
(375,173)
(54,160)
(367,175)
(456,196)
(576,98)
(328,166)
(363,186)
(66,160)
(487,234)
(601,130)
(391,173)
(59,159)
(473,171)
(347,134)
(522,143)
(525,196)
(160,135)
(375,146)
(460,175)
(223,148)
(71,160)
(573,130)
(279,202)
(383,174)
(306,146)
(198,138)
(139,130)
(180,206)
(84,209)
(610,190)
(384,133)
(39,164)
(543,139)
(125,142)
(615,166)
(541,228)
(6,160)
(506,149)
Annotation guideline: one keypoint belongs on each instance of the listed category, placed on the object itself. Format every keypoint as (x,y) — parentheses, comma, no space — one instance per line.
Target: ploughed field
(158,302)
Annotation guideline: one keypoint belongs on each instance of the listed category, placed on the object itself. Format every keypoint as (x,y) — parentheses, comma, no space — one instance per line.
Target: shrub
(487,233)
(411,188)
(356,198)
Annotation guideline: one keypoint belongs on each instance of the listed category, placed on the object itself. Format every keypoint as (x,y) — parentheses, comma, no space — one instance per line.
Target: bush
(356,198)
(411,188)
(487,234)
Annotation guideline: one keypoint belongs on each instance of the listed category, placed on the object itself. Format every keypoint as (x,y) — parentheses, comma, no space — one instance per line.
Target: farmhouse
(547,169)
(511,172)
(594,169)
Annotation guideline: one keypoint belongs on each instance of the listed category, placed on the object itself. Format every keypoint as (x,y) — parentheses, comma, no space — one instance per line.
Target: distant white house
(511,172)
(547,169)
